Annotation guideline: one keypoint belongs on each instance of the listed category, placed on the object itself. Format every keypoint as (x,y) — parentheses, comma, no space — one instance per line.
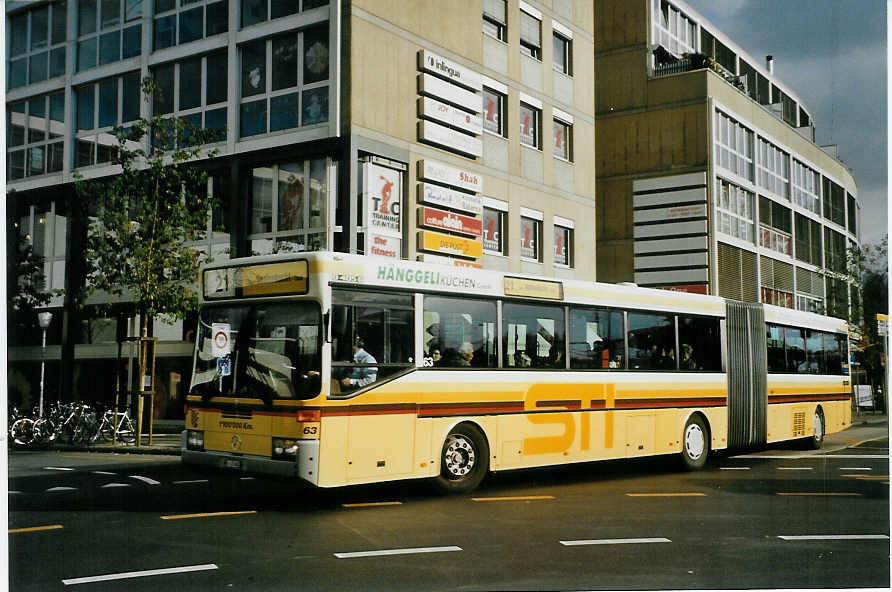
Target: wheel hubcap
(694,441)
(459,457)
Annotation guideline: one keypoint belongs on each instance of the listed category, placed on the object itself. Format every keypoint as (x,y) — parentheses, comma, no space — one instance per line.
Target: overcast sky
(832,54)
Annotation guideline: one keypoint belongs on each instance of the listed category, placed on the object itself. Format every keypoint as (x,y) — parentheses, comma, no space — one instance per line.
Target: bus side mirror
(326,326)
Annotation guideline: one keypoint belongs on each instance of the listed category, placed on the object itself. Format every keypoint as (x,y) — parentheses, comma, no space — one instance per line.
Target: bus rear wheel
(464,460)
(694,444)
(817,440)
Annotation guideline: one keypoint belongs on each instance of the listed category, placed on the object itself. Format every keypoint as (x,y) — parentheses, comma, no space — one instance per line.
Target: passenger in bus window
(361,376)
(436,356)
(465,354)
(687,357)
(617,361)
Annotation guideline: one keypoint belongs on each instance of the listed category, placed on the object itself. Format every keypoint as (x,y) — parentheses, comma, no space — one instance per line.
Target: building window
(835,256)
(289,203)
(852,212)
(563,244)
(808,240)
(736,215)
(291,71)
(35,135)
(45,230)
(530,122)
(733,147)
(775,226)
(530,35)
(672,29)
(563,136)
(99,107)
(495,22)
(777,297)
(810,304)
(530,235)
(774,169)
(562,53)
(194,90)
(494,112)
(258,11)
(37,44)
(108,31)
(806,185)
(495,222)
(182,21)
(834,202)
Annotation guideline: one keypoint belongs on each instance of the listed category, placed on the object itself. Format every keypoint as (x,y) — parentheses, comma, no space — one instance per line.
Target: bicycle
(117,425)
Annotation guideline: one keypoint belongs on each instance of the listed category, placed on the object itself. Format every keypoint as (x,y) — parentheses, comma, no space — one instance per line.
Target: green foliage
(27,290)
(143,220)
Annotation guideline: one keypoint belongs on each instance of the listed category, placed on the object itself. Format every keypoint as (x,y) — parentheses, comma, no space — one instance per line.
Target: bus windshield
(265,350)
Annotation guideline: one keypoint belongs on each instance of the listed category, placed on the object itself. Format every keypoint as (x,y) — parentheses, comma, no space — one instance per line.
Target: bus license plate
(231,463)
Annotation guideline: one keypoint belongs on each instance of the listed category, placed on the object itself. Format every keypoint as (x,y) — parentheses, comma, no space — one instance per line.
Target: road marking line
(139,574)
(855,469)
(516,498)
(814,456)
(145,479)
(795,468)
(194,481)
(51,489)
(614,541)
(103,473)
(371,504)
(734,468)
(108,485)
(868,477)
(834,537)
(35,528)
(819,494)
(58,468)
(396,552)
(666,494)
(246,478)
(207,515)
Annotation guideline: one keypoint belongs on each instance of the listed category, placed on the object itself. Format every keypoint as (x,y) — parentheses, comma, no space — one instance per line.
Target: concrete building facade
(461,133)
(708,176)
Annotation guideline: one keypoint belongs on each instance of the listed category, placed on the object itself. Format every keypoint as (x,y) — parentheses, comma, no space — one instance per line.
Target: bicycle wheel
(44,431)
(22,431)
(127,431)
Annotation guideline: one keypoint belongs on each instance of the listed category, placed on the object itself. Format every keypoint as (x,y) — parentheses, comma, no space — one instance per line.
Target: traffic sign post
(883,332)
(146,383)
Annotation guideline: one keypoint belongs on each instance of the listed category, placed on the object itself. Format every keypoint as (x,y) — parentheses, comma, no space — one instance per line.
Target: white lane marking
(107,485)
(58,468)
(246,478)
(187,482)
(396,552)
(12,492)
(834,537)
(103,473)
(145,479)
(614,541)
(139,574)
(855,469)
(51,489)
(795,468)
(734,468)
(814,456)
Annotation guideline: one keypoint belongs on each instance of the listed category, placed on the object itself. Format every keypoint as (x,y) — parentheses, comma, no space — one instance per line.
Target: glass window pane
(38,70)
(291,196)
(54,158)
(110,47)
(597,339)
(86,54)
(18,26)
(132,10)
(699,344)
(262,200)
(131,96)
(217,18)
(217,83)
(16,166)
(252,119)
(775,340)
(15,120)
(283,112)
(86,17)
(57,62)
(529,238)
(814,349)
(795,348)
(85,154)
(165,31)
(18,73)
(562,246)
(316,55)
(191,24)
(528,132)
(84,97)
(37,120)
(310,4)
(253,12)
(284,62)
(57,107)
(560,54)
(492,230)
(191,124)
(460,332)
(533,336)
(492,111)
(253,68)
(318,193)
(215,119)
(132,43)
(280,8)
(164,5)
(36,161)
(190,92)
(163,97)
(651,342)
(315,106)
(111,13)
(108,102)
(40,23)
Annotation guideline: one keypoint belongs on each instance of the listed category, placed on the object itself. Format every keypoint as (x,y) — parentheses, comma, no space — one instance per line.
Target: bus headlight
(194,440)
(284,449)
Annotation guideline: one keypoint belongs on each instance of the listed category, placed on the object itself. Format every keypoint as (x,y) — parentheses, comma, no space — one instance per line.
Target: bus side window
(775,341)
(651,341)
(699,344)
(795,347)
(459,332)
(534,336)
(596,338)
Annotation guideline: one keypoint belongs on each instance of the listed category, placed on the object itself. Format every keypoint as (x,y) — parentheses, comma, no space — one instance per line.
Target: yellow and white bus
(342,369)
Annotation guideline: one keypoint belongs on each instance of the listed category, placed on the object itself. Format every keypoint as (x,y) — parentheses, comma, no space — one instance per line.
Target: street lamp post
(44,318)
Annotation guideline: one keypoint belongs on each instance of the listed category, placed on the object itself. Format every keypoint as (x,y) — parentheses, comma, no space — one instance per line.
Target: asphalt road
(778,518)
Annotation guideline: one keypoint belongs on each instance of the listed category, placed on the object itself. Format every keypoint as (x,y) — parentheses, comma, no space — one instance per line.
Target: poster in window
(528,123)
(382,201)
(491,112)
(529,237)
(561,246)
(492,230)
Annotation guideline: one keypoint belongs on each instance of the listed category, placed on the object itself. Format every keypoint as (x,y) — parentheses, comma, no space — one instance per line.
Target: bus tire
(817,439)
(694,443)
(464,460)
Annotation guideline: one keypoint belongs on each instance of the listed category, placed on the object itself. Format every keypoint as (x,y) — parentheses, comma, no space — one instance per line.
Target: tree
(26,289)
(143,219)
(874,300)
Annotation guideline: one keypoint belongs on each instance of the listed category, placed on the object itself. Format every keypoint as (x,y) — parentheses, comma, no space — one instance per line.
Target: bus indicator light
(309,415)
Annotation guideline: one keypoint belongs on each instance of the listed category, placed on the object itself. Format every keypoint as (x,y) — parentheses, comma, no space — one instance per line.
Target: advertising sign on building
(447,198)
(382,200)
(492,230)
(429,108)
(440,89)
(385,246)
(449,138)
(528,238)
(440,260)
(435,218)
(432,170)
(449,245)
(456,74)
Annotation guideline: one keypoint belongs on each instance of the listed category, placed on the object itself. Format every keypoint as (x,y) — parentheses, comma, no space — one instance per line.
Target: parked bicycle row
(70,423)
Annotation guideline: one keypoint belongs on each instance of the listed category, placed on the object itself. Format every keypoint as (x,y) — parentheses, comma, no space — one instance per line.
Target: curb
(122,450)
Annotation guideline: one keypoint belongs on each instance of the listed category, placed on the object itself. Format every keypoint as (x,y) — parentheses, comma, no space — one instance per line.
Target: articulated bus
(341,369)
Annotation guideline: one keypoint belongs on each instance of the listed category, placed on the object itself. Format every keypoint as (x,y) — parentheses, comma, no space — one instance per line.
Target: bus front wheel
(463,461)
(695,443)
(817,440)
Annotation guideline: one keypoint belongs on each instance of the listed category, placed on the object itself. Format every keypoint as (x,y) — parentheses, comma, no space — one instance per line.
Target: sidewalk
(166,439)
